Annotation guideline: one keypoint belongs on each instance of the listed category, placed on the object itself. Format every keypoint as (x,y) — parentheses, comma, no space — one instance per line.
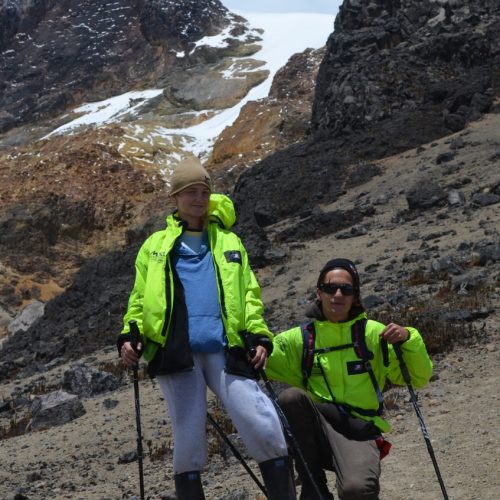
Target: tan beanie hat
(188,172)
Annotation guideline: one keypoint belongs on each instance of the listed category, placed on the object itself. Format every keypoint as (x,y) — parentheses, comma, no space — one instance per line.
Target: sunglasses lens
(331,288)
(346,289)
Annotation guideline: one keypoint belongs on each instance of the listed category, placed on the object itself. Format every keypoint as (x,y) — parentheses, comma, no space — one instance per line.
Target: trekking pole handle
(135,335)
(248,344)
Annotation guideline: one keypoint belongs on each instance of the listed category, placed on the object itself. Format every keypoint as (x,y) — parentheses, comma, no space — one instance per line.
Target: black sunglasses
(331,288)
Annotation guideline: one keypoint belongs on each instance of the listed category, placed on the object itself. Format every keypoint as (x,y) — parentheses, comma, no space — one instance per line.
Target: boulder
(424,195)
(86,381)
(55,408)
(29,315)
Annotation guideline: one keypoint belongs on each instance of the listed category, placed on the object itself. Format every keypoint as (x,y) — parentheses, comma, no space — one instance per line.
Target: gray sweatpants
(250,410)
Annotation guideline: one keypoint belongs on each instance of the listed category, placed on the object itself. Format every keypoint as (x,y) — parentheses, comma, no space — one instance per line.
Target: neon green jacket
(151,301)
(357,390)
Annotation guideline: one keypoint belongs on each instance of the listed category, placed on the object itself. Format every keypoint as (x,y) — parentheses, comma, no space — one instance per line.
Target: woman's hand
(393,333)
(129,357)
(260,358)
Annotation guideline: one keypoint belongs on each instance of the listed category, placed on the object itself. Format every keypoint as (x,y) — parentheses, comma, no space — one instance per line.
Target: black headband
(340,264)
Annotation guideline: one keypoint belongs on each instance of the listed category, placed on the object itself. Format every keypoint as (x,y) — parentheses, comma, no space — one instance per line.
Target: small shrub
(40,386)
(417,277)
(159,451)
(116,368)
(119,370)
(393,398)
(17,427)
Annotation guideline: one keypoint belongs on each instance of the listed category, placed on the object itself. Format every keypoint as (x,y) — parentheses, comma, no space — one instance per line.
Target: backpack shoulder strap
(358,336)
(358,333)
(385,352)
(308,339)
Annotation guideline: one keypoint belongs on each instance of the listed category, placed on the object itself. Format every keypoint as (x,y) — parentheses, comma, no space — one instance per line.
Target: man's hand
(393,333)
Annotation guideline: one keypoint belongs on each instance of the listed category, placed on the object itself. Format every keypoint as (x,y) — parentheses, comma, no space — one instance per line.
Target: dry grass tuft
(159,451)
(16,427)
(449,320)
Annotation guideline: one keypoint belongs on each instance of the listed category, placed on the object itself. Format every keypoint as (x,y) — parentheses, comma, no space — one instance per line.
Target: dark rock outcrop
(395,74)
(420,60)
(424,195)
(86,317)
(179,24)
(86,381)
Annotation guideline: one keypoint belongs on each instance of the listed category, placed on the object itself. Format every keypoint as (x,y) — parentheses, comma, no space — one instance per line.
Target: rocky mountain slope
(398,168)
(395,75)
(441,264)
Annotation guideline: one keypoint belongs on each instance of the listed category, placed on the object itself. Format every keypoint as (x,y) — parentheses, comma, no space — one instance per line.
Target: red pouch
(383,446)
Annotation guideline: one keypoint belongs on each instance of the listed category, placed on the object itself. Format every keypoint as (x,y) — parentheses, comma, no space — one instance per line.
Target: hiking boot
(278,478)
(188,486)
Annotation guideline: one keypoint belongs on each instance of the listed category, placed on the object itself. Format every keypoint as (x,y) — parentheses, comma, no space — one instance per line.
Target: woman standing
(193,298)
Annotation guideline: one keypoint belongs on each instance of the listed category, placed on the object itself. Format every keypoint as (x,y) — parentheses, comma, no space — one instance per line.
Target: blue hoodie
(194,265)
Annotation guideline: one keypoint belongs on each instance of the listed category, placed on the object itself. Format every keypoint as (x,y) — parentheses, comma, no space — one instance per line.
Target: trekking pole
(134,340)
(284,421)
(423,428)
(236,453)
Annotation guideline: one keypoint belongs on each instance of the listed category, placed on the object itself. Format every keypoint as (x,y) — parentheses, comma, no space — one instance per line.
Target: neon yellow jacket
(151,301)
(357,390)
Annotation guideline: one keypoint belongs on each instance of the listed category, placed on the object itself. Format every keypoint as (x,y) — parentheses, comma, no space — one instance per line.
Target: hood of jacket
(221,210)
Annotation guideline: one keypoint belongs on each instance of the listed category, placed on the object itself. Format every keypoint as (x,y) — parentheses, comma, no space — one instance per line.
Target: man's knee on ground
(354,488)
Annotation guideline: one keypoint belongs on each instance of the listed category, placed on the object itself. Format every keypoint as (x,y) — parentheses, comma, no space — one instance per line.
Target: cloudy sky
(317,6)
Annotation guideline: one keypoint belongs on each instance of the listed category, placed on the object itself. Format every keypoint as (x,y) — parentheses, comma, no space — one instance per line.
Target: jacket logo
(233,256)
(157,256)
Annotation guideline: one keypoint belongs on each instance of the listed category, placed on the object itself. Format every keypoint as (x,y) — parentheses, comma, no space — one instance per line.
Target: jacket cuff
(263,341)
(407,338)
(414,342)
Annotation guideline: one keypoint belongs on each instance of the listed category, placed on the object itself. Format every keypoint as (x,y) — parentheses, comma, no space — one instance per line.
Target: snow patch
(107,111)
(284,34)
